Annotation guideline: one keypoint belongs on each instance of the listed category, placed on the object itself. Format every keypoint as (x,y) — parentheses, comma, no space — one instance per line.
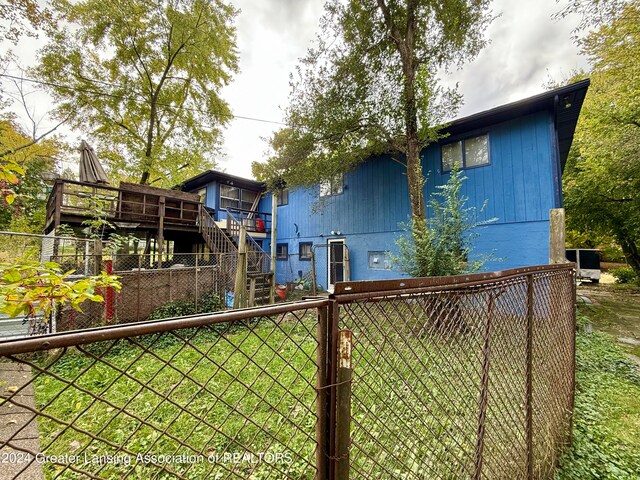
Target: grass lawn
(606,429)
(208,397)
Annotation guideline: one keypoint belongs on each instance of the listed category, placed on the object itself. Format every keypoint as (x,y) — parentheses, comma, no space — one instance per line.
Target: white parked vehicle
(587,262)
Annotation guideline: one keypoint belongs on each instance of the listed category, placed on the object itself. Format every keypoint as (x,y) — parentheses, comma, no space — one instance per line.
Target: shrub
(625,275)
(207,302)
(442,245)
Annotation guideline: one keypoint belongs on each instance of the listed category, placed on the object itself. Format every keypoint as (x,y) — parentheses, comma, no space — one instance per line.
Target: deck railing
(128,203)
(216,239)
(258,261)
(237,217)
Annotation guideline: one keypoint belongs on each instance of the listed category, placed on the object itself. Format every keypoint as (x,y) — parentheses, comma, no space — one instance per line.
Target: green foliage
(607,400)
(30,287)
(207,302)
(442,245)
(625,275)
(602,178)
(22,187)
(143,77)
(611,251)
(371,87)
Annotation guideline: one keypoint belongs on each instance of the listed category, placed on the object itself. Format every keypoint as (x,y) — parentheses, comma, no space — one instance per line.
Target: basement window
(305,251)
(282,251)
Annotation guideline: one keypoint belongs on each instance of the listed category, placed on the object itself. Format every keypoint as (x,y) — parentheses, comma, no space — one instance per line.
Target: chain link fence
(460,379)
(153,286)
(230,395)
(455,377)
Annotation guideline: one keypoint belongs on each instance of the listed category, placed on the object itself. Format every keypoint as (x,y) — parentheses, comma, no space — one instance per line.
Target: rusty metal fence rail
(457,377)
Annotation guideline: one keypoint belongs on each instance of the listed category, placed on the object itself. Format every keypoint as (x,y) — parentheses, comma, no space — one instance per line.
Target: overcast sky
(527,49)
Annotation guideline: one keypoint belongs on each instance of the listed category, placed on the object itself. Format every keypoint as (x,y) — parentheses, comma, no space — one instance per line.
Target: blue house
(513,157)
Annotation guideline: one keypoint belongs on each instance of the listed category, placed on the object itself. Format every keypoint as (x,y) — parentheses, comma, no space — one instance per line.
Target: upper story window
(283,197)
(335,186)
(467,153)
(234,197)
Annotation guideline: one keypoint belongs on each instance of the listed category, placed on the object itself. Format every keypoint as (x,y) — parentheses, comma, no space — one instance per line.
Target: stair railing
(214,236)
(258,260)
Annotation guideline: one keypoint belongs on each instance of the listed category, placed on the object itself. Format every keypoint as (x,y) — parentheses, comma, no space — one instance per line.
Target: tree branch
(33,141)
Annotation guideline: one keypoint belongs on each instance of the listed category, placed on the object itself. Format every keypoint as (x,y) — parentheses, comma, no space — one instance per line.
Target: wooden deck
(137,206)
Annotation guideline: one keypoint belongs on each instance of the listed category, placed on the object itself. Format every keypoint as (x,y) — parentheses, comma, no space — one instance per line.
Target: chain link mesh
(228,399)
(440,379)
(462,377)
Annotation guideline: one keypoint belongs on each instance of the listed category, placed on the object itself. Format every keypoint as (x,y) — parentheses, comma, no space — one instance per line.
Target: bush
(207,302)
(625,275)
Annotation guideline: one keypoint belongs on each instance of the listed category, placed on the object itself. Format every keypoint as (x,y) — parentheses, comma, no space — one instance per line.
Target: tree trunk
(631,252)
(404,40)
(414,166)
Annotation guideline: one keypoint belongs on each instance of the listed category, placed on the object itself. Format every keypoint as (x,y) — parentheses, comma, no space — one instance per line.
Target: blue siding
(212,195)
(519,186)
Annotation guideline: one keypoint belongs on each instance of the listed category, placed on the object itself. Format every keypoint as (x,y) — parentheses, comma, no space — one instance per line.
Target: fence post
(529,379)
(343,405)
(484,391)
(572,402)
(138,273)
(322,399)
(313,273)
(197,293)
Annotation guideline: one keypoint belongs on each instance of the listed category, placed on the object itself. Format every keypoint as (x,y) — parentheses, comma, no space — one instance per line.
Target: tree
(602,178)
(371,87)
(592,13)
(23,162)
(143,77)
(18,16)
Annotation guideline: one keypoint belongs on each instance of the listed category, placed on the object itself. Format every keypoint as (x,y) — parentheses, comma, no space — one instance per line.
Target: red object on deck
(109,296)
(259,225)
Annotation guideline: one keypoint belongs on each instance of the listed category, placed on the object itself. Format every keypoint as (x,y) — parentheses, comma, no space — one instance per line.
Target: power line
(125,97)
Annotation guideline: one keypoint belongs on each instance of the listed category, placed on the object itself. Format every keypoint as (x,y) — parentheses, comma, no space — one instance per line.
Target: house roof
(209,176)
(564,103)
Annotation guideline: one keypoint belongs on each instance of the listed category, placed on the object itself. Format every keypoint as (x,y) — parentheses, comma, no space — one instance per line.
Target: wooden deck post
(274,214)
(240,295)
(161,231)
(252,292)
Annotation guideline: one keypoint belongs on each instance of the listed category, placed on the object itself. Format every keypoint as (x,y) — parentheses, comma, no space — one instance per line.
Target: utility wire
(125,97)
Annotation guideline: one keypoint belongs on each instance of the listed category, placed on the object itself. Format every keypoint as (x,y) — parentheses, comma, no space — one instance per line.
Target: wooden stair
(215,238)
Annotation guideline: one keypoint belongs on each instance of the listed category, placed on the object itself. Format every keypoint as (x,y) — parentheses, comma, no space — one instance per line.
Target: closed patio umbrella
(90,169)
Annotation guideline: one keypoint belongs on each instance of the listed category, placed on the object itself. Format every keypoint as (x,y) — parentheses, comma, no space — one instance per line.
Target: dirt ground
(615,310)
